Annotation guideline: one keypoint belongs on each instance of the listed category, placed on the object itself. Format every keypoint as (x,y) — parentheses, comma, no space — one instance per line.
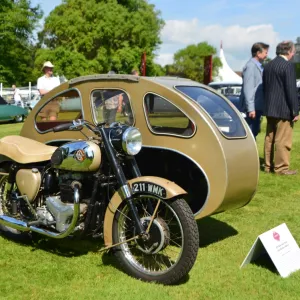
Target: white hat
(47,64)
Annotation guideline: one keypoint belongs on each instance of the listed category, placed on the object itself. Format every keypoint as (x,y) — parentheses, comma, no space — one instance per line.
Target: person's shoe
(288,172)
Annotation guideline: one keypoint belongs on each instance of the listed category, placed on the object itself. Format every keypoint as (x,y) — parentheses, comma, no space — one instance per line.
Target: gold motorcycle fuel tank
(80,156)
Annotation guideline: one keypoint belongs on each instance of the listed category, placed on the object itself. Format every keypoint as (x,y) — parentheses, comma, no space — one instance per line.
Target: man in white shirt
(47,82)
(17,96)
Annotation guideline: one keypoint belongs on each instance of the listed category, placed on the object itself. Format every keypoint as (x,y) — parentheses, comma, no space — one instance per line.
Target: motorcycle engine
(58,206)
(62,212)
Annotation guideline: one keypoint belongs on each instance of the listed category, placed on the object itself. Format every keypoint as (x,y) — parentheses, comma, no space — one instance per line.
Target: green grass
(169,121)
(62,270)
(10,129)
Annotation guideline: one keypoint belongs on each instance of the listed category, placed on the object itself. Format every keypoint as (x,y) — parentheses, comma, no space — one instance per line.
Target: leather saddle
(24,150)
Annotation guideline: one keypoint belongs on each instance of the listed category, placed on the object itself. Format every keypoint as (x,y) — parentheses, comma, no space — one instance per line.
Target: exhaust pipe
(23,226)
(14,223)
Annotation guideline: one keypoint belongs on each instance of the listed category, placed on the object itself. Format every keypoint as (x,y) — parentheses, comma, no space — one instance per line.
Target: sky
(237,23)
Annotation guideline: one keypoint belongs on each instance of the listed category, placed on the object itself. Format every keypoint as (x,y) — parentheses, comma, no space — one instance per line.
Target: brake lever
(77,124)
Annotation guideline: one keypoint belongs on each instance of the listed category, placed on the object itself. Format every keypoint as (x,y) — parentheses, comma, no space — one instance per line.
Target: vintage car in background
(9,112)
(230,90)
(30,104)
(192,134)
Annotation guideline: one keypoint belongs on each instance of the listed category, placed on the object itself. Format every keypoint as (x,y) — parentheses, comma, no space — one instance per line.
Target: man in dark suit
(281,109)
(252,95)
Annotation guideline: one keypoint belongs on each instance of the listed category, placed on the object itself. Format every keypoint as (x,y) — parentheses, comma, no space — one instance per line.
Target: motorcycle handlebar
(62,127)
(75,125)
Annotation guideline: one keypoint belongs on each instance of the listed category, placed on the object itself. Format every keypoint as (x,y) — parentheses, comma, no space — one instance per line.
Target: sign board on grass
(281,248)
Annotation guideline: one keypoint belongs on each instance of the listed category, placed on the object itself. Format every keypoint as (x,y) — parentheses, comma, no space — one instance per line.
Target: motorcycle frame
(124,193)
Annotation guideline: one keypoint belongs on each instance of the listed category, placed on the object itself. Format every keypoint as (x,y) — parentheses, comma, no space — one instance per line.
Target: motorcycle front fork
(125,191)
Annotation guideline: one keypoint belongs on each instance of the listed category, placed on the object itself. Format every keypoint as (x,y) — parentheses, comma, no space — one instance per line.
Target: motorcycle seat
(24,150)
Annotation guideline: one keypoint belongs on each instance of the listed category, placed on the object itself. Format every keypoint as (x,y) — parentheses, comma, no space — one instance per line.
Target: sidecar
(192,135)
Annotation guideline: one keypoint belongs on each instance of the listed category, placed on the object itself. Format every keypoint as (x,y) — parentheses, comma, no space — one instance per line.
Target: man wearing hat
(47,82)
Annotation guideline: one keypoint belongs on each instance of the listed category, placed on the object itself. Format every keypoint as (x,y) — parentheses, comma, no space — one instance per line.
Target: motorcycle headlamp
(126,139)
(132,141)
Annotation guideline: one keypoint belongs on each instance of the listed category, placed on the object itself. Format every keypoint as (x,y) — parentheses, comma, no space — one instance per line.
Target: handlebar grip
(62,127)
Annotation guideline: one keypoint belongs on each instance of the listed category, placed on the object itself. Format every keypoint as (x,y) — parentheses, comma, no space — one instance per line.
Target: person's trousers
(254,124)
(109,115)
(278,144)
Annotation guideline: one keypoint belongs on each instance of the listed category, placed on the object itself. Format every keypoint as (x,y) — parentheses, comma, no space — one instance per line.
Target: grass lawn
(62,270)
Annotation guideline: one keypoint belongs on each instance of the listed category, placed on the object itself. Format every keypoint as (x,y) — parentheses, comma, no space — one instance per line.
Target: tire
(6,231)
(187,257)
(19,119)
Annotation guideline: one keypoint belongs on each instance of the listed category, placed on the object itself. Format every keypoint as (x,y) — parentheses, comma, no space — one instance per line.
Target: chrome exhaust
(23,226)
(13,223)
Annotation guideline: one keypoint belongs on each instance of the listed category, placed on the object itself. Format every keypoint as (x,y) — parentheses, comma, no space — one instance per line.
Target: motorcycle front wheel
(169,252)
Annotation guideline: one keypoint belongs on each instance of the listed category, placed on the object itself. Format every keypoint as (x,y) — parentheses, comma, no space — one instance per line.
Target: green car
(10,112)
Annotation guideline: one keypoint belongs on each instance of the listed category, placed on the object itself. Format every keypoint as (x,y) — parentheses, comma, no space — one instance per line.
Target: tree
(267,60)
(18,19)
(189,62)
(95,36)
(298,70)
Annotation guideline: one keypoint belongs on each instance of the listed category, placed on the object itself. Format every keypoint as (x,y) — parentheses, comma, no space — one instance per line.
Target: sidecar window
(63,108)
(224,116)
(163,117)
(111,105)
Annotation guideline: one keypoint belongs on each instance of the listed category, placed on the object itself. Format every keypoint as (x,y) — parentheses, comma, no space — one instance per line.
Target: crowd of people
(270,90)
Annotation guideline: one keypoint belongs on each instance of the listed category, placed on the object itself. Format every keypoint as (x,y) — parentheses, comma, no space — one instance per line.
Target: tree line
(82,37)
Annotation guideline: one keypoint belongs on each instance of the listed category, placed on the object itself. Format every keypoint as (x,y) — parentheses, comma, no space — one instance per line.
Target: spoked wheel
(169,250)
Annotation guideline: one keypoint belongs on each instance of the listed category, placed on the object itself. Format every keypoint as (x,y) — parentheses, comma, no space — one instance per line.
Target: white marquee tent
(226,74)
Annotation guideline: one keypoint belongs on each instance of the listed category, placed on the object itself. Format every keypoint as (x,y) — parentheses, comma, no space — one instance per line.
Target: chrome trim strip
(70,89)
(168,134)
(191,159)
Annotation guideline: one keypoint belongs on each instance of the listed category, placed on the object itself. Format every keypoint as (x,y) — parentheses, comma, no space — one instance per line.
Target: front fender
(172,190)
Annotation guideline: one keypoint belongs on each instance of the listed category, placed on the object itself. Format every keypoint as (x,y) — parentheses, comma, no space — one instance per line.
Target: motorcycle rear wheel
(6,231)
(171,249)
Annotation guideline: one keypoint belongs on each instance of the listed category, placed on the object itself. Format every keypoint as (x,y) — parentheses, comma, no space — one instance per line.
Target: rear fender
(172,190)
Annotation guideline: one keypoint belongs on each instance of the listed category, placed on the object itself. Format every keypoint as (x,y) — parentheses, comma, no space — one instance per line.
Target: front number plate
(149,188)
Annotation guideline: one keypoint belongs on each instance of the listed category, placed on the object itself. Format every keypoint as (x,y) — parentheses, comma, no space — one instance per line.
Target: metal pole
(143,64)
(29,91)
(1,89)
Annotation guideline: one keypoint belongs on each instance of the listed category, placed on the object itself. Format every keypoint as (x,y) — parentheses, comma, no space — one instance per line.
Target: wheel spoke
(153,216)
(163,248)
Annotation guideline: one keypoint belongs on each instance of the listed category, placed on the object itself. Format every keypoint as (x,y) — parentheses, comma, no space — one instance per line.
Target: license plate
(149,188)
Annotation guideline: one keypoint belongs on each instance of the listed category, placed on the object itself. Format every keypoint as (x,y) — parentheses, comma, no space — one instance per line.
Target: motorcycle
(93,187)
